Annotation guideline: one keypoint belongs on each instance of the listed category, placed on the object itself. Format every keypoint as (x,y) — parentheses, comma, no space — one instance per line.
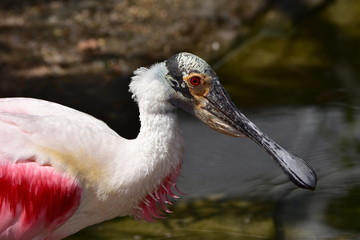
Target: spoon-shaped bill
(220,113)
(294,167)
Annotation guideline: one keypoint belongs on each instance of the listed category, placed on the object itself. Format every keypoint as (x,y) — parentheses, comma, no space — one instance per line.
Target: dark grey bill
(298,171)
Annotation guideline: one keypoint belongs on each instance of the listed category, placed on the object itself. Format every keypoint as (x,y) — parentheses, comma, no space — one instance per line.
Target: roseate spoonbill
(62,170)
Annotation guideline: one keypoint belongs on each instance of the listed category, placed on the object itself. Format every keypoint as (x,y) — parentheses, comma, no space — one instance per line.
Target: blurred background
(292,66)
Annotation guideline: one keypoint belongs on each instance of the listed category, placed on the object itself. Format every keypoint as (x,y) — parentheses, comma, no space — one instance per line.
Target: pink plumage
(57,178)
(155,204)
(34,199)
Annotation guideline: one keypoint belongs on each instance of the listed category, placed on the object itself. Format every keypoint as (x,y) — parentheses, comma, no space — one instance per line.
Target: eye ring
(195,81)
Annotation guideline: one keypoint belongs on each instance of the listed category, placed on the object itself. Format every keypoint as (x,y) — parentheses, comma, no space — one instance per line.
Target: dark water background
(294,71)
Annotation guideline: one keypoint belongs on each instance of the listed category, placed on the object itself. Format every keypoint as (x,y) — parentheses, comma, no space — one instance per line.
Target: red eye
(195,81)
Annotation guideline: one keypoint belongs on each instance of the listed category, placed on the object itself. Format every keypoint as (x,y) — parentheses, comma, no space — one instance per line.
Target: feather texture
(34,199)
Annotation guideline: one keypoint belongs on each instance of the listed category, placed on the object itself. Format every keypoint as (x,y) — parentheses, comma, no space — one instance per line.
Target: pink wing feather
(34,199)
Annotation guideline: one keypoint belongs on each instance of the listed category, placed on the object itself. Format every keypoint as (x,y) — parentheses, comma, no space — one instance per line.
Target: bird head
(196,89)
(199,92)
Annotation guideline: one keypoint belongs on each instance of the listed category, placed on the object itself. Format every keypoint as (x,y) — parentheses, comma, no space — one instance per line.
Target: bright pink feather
(154,205)
(34,199)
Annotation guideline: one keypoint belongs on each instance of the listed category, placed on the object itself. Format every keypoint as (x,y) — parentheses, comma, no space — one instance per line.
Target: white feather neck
(150,89)
(157,151)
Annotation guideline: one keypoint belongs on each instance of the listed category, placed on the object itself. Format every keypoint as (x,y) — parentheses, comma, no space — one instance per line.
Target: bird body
(62,170)
(111,175)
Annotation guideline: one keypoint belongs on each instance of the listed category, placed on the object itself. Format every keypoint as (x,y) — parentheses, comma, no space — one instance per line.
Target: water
(235,191)
(238,167)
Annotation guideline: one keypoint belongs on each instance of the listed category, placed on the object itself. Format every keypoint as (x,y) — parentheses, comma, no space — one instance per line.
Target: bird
(62,170)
